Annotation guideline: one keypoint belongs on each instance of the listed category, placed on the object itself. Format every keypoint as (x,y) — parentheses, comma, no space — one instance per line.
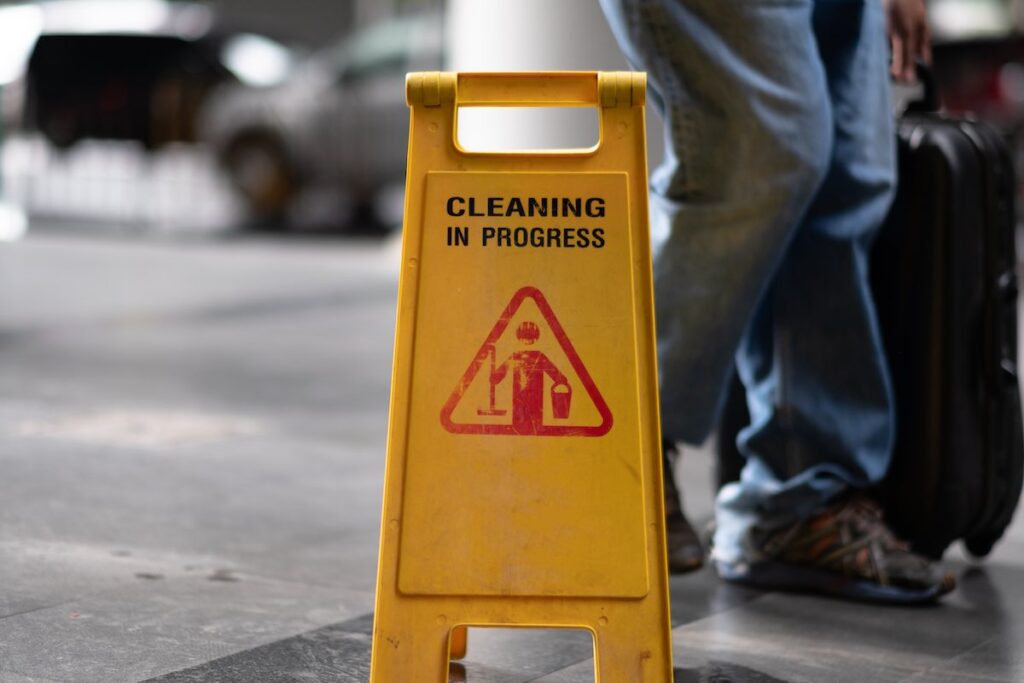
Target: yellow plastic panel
(523,483)
(516,499)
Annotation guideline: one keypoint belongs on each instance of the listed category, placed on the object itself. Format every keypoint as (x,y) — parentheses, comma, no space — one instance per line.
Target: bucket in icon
(561,397)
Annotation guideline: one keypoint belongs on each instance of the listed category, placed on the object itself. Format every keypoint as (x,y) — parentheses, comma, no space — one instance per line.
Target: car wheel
(61,129)
(259,169)
(365,218)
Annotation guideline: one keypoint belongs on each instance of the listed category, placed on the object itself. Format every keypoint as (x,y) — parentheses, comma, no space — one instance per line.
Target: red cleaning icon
(536,395)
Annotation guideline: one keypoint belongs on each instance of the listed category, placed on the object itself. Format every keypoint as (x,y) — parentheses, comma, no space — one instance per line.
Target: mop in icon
(492,408)
(529,367)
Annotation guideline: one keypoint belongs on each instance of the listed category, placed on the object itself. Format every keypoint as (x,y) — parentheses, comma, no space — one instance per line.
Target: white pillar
(523,35)
(532,35)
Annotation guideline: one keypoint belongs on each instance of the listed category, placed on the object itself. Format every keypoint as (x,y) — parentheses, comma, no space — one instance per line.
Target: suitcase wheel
(979,546)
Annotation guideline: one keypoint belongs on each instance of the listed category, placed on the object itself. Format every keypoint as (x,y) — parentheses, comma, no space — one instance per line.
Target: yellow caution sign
(523,483)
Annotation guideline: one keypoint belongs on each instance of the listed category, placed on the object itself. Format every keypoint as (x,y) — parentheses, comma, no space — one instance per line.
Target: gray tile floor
(191,455)
(722,634)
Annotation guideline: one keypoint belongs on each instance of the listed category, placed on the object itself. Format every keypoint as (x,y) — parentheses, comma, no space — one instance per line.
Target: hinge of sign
(621,88)
(429,88)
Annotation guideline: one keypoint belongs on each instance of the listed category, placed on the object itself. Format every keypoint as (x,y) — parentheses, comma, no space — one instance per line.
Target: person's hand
(907,25)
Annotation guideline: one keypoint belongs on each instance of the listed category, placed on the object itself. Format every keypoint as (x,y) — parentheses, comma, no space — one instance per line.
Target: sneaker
(845,551)
(685,552)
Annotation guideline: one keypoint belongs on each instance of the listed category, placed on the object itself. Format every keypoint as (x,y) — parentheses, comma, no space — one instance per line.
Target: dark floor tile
(339,653)
(707,672)
(721,672)
(327,656)
(161,625)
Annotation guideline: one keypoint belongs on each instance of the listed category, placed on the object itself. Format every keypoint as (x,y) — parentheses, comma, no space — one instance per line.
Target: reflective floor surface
(191,458)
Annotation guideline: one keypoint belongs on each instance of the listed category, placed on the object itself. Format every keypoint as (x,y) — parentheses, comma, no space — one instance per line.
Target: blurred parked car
(340,122)
(122,69)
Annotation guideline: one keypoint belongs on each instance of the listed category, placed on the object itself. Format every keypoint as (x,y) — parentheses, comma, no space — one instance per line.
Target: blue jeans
(779,169)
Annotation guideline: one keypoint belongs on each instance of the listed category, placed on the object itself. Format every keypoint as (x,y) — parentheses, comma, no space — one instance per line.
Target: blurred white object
(13,223)
(257,60)
(112,184)
(533,35)
(20,26)
(528,35)
(965,19)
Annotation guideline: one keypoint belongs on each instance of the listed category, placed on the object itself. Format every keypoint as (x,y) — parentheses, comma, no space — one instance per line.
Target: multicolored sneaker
(685,552)
(845,551)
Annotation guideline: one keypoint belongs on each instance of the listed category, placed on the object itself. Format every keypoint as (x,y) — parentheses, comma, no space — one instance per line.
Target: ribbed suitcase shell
(943,275)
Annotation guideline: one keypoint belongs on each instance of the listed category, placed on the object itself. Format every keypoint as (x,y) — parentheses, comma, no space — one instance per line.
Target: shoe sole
(779,576)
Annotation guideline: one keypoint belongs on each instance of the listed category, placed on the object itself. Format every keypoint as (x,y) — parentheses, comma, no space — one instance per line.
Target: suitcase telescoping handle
(929,100)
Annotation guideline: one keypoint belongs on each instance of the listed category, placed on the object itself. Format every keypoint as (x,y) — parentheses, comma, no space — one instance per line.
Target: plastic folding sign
(523,480)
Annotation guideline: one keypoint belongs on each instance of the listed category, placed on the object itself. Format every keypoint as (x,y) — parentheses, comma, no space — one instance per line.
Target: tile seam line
(247,650)
(270,578)
(34,677)
(556,671)
(101,592)
(43,607)
(204,314)
(941,667)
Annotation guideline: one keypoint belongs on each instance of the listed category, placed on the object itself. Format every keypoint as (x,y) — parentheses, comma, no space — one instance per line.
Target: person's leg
(748,136)
(812,361)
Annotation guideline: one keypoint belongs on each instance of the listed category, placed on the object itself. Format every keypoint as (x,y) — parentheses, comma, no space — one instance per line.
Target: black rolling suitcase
(943,277)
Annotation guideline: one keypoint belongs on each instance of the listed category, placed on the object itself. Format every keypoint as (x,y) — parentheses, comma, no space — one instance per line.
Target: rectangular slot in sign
(517,129)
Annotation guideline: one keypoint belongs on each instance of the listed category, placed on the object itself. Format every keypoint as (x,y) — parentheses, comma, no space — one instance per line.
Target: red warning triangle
(527,382)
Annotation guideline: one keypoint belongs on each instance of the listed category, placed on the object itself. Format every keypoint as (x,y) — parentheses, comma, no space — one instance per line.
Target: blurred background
(200,209)
(112,110)
(293,120)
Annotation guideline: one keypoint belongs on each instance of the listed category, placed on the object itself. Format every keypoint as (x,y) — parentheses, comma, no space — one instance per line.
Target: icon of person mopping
(529,368)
